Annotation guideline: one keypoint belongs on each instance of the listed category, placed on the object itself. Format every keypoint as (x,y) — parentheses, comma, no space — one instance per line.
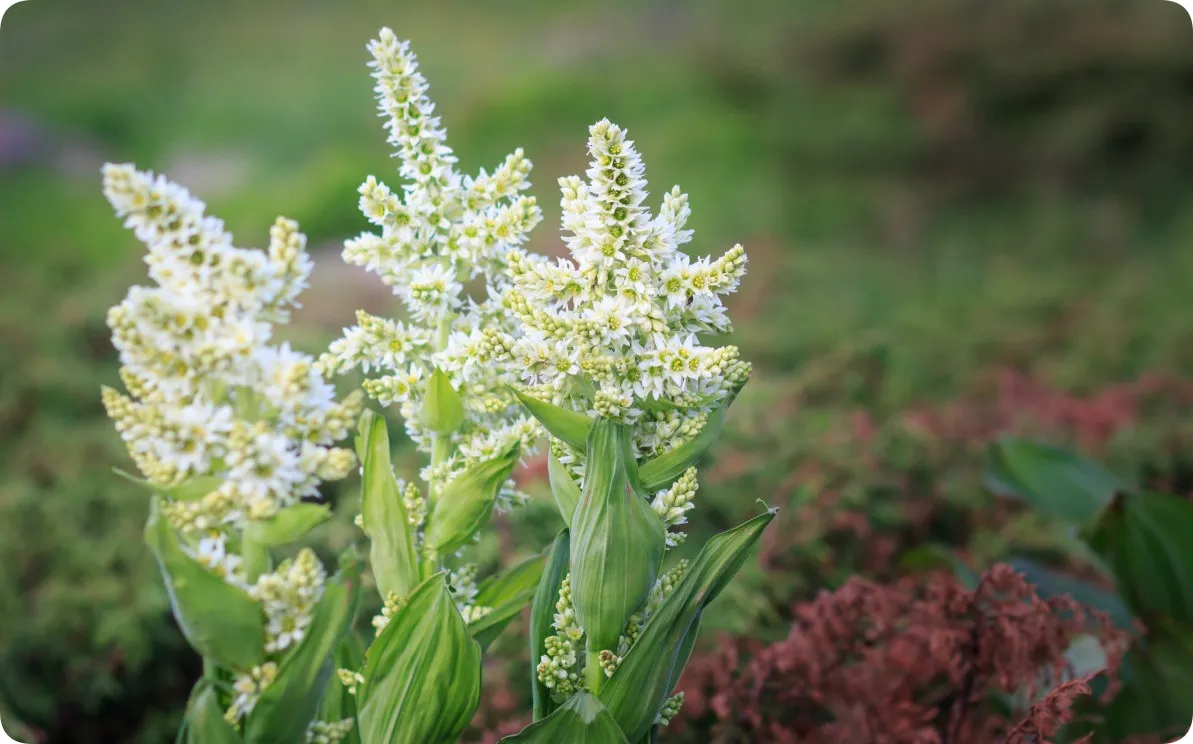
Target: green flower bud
(617,539)
(466,502)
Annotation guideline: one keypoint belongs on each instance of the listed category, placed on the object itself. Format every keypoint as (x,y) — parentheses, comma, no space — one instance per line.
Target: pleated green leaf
(662,471)
(487,628)
(219,620)
(205,723)
(422,674)
(465,504)
(570,427)
(617,539)
(289,524)
(647,674)
(1144,538)
(581,720)
(563,486)
(443,410)
(1057,482)
(542,613)
(292,701)
(383,512)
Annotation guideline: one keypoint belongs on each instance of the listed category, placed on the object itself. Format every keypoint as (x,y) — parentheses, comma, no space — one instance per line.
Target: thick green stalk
(593,673)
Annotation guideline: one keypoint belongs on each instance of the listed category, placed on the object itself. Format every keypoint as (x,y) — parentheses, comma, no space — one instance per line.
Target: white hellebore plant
(496,348)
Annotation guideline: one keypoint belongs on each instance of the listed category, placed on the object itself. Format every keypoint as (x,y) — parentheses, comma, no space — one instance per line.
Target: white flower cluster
(613,330)
(208,394)
(329,732)
(442,230)
(244,427)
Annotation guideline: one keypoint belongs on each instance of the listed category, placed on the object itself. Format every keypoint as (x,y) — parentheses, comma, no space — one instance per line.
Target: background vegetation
(963,219)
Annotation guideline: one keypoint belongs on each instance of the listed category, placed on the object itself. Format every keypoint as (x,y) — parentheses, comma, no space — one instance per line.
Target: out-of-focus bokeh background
(963,218)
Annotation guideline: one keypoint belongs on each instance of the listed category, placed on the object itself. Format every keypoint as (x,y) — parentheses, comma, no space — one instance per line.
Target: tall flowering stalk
(614,369)
(231,432)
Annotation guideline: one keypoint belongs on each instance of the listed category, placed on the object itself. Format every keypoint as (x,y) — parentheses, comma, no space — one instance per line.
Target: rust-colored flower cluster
(913,662)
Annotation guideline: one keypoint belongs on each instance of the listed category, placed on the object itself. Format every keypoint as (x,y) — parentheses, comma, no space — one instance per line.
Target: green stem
(440,443)
(256,557)
(209,668)
(593,673)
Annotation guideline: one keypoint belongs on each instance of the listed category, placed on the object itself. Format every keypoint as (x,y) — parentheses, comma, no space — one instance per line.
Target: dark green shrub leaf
(581,720)
(465,504)
(422,674)
(442,411)
(218,619)
(563,486)
(383,513)
(1144,538)
(291,702)
(664,469)
(1059,483)
(542,614)
(289,524)
(617,539)
(647,674)
(570,427)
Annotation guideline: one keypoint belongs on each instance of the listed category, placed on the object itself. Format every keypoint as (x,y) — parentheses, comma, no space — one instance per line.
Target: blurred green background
(963,218)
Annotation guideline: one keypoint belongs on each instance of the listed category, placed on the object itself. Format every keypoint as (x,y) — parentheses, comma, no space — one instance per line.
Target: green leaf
(219,620)
(1144,538)
(1059,483)
(931,556)
(617,539)
(383,513)
(664,469)
(581,720)
(647,673)
(465,504)
(570,427)
(563,486)
(205,722)
(511,583)
(443,410)
(288,525)
(191,489)
(486,629)
(422,674)
(542,613)
(291,702)
(508,593)
(338,704)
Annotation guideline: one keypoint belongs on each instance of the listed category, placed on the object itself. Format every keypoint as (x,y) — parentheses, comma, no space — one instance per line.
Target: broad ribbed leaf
(581,720)
(218,619)
(289,524)
(1144,538)
(647,674)
(1059,483)
(442,411)
(564,488)
(205,723)
(383,513)
(422,674)
(570,427)
(465,504)
(291,702)
(662,471)
(617,539)
(486,629)
(542,614)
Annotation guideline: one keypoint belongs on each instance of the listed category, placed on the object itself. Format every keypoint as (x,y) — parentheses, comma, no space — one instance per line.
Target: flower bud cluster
(672,504)
(670,709)
(558,668)
(248,688)
(329,732)
(612,330)
(288,596)
(441,230)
